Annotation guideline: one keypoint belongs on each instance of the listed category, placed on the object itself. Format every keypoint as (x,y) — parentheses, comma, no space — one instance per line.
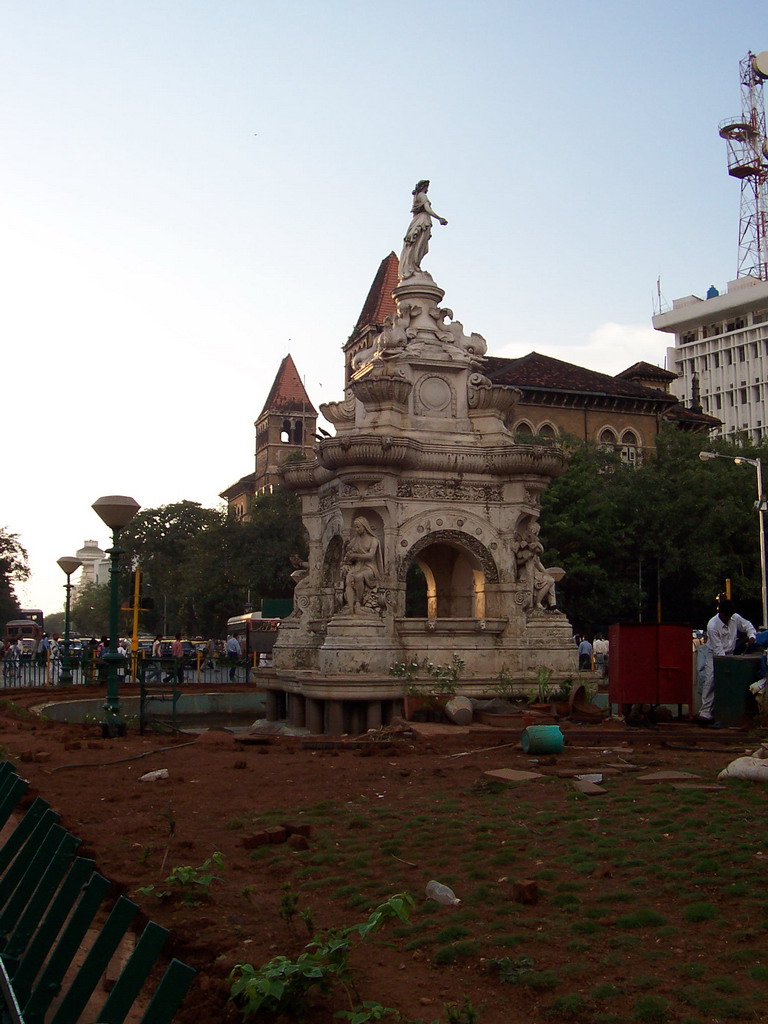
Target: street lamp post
(68,565)
(760,505)
(115,511)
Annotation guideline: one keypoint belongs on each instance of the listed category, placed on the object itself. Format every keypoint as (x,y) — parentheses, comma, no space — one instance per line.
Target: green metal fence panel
(169,993)
(12,789)
(30,880)
(23,921)
(38,838)
(95,963)
(21,833)
(49,983)
(133,975)
(30,957)
(48,901)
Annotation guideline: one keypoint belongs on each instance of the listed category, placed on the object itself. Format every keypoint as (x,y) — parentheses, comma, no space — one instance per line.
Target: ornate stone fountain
(422,518)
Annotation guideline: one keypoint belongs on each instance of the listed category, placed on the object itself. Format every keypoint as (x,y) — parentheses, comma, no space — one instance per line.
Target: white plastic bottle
(441,894)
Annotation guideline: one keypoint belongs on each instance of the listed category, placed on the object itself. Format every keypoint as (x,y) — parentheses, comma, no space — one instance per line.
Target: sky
(191,189)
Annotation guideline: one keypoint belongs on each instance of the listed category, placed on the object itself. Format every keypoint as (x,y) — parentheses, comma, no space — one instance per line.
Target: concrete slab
(512,775)
(667,776)
(588,788)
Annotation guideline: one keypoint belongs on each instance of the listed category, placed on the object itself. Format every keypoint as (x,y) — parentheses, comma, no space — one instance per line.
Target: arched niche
(454,569)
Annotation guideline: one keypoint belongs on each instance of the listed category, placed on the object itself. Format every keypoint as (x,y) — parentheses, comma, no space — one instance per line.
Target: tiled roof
(287,393)
(380,303)
(543,373)
(679,414)
(647,371)
(243,486)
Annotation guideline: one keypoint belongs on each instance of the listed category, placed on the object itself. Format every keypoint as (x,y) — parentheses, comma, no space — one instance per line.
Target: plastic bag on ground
(753,769)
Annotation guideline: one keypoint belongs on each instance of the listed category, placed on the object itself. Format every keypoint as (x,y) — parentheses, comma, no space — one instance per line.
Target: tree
(659,539)
(14,569)
(90,610)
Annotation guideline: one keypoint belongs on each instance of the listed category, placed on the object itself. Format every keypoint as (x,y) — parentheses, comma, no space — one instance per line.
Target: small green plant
(460,1014)
(190,883)
(366,1012)
(308,919)
(289,903)
(651,1009)
(697,912)
(443,677)
(246,893)
(282,984)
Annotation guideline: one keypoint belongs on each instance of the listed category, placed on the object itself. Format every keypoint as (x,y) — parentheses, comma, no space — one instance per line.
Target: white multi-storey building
(721,354)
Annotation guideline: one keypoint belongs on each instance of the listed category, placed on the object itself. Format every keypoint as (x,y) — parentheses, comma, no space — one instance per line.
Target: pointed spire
(380,303)
(287,393)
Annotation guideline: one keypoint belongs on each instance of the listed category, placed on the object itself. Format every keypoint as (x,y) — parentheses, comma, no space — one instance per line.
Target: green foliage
(200,564)
(652,1009)
(443,678)
(90,610)
(289,903)
(14,569)
(674,527)
(189,882)
(282,984)
(696,912)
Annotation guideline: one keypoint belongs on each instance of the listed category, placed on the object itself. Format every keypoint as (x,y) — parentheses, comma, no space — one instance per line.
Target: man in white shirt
(722,630)
(234,653)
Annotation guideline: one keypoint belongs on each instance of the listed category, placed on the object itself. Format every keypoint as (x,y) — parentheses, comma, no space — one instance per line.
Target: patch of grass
(566,1007)
(646,917)
(452,933)
(651,1009)
(759,972)
(509,939)
(604,991)
(444,955)
(697,912)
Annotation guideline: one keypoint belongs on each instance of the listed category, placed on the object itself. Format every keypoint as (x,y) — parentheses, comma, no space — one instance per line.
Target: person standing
(234,653)
(585,655)
(177,653)
(600,648)
(722,632)
(155,671)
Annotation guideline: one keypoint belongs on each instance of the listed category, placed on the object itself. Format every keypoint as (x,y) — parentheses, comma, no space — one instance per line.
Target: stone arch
(547,429)
(523,427)
(456,568)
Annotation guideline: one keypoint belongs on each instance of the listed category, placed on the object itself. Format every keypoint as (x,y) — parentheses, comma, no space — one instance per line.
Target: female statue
(363,558)
(416,241)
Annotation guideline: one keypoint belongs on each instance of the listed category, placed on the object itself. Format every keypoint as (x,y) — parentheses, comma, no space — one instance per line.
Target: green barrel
(542,739)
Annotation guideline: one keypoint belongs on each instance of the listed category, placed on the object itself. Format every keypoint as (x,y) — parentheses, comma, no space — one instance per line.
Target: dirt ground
(389,813)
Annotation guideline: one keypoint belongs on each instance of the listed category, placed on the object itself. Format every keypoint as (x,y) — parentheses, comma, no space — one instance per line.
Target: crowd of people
(30,661)
(593,654)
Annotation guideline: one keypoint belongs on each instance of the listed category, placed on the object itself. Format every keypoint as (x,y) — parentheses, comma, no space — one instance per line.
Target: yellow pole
(728,589)
(135,633)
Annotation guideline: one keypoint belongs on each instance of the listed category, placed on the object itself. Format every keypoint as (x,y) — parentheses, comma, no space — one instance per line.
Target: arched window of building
(547,430)
(298,432)
(630,448)
(285,432)
(607,438)
(523,429)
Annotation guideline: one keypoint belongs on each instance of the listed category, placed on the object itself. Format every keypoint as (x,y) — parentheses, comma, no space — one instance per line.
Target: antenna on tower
(748,161)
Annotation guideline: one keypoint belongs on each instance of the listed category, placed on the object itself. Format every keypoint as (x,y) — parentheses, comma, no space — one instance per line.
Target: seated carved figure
(528,550)
(363,569)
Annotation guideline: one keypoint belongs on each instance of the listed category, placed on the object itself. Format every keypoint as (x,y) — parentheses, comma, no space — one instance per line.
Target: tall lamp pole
(115,511)
(68,565)
(760,505)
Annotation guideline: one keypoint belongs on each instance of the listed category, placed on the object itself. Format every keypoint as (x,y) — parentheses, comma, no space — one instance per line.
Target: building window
(629,450)
(607,439)
(715,359)
(743,396)
(718,402)
(547,430)
(760,318)
(686,339)
(740,350)
(734,325)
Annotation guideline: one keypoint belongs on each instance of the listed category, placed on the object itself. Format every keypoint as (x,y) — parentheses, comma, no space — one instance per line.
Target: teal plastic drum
(542,739)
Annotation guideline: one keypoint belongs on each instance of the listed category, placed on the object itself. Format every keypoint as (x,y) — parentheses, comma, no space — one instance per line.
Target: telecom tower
(748,161)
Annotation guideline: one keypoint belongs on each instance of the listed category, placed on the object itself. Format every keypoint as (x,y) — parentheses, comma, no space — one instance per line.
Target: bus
(256,635)
(28,625)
